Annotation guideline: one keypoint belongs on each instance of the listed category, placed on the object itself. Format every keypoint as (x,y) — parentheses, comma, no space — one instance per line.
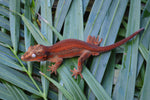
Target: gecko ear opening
(45,57)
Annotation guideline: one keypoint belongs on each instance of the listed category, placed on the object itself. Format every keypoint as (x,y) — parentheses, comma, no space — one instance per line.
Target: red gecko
(70,48)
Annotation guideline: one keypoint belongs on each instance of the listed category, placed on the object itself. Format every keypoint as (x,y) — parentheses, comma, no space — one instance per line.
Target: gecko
(69,48)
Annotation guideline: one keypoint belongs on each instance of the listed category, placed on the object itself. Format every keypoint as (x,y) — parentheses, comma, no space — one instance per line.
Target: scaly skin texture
(70,48)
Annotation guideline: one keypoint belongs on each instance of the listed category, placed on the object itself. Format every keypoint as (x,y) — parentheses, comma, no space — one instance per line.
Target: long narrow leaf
(9,62)
(14,5)
(4,94)
(4,2)
(4,12)
(127,76)
(144,51)
(17,79)
(46,13)
(61,88)
(35,32)
(145,22)
(108,78)
(61,12)
(17,93)
(70,84)
(5,38)
(96,88)
(4,23)
(73,27)
(96,17)
(27,35)
(85,4)
(108,32)
(52,28)
(145,94)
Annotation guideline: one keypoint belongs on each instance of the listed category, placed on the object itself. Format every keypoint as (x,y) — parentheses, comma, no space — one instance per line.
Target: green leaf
(4,11)
(61,88)
(127,76)
(108,78)
(145,94)
(4,23)
(67,19)
(61,12)
(94,85)
(27,35)
(15,92)
(46,13)
(145,22)
(5,38)
(70,83)
(4,94)
(52,28)
(96,17)
(17,78)
(36,4)
(85,4)
(14,5)
(5,51)
(73,27)
(45,82)
(9,62)
(108,32)
(144,51)
(4,2)
(40,39)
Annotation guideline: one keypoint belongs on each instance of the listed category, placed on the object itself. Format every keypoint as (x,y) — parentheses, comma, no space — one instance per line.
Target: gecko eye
(33,55)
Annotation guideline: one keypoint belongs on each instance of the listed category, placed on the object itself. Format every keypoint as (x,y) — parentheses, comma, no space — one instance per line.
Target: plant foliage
(120,74)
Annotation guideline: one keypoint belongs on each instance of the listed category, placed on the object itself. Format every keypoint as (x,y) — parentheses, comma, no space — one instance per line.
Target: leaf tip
(41,73)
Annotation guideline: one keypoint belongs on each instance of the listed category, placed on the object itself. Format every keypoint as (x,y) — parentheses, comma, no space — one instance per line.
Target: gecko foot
(76,72)
(94,40)
(53,69)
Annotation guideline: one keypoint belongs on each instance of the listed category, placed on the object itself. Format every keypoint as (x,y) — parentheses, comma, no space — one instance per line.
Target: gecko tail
(110,47)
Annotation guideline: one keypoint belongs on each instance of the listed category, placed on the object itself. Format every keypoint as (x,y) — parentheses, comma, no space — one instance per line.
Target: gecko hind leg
(93,40)
(82,58)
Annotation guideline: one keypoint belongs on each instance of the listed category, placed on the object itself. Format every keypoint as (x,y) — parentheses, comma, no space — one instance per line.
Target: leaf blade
(14,5)
(146,87)
(127,75)
(17,78)
(61,88)
(35,32)
(145,22)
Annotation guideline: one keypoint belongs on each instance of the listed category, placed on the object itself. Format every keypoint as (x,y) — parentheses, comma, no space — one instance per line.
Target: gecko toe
(76,72)
(53,69)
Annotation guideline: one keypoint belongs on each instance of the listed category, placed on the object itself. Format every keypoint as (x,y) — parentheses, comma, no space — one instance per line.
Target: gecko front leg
(82,58)
(57,62)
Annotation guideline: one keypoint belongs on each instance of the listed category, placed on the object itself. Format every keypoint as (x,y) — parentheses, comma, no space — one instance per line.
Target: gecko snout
(22,57)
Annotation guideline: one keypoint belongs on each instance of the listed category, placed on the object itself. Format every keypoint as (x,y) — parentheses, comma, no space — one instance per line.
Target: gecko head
(35,53)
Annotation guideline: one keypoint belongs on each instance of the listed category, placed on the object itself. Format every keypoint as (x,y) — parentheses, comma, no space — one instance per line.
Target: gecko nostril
(22,57)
